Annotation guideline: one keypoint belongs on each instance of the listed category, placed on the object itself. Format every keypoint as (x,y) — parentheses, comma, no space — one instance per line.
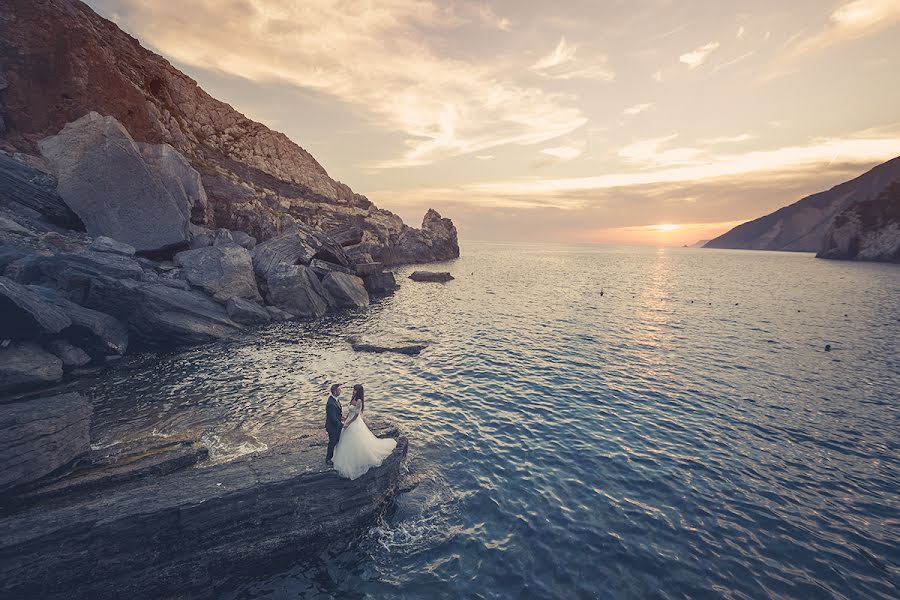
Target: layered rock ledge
(187,533)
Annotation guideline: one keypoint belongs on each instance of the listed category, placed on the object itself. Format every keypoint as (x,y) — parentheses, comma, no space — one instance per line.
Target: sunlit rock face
(61,60)
(801,227)
(868,230)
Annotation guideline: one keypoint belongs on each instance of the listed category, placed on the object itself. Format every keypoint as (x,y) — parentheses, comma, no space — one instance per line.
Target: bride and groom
(352,448)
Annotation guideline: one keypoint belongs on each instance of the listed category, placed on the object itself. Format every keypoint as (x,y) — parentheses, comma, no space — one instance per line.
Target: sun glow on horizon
(666,227)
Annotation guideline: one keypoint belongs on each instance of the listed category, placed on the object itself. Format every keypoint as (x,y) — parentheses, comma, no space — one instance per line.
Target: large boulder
(26,365)
(346,291)
(24,314)
(72,273)
(107,244)
(38,436)
(178,177)
(247,312)
(105,179)
(296,289)
(299,245)
(223,271)
(98,333)
(160,317)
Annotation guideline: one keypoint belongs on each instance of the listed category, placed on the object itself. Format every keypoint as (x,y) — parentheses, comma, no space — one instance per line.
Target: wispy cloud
(728,139)
(444,106)
(561,63)
(695,58)
(740,32)
(563,152)
(637,109)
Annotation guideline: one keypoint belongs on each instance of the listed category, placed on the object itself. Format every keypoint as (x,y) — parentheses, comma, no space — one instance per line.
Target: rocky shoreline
(190,532)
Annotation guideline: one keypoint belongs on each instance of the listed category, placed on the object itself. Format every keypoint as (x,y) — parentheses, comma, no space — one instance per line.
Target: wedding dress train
(358,449)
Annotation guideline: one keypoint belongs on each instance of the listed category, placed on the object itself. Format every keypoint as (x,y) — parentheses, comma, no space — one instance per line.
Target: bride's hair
(358,392)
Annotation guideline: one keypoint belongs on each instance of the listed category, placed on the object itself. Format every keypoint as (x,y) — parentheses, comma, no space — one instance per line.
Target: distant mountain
(867,230)
(801,226)
(59,61)
(699,244)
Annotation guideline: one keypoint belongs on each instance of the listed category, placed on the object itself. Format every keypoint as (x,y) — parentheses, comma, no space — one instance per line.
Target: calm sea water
(682,435)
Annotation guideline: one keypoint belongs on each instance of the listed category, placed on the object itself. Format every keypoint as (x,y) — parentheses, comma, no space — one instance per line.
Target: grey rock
(223,236)
(178,284)
(299,245)
(25,365)
(160,317)
(223,271)
(278,315)
(380,284)
(105,179)
(41,435)
(71,356)
(431,276)
(366,269)
(358,253)
(296,289)
(10,254)
(347,291)
(201,237)
(244,239)
(203,528)
(98,333)
(407,347)
(10,226)
(323,267)
(346,236)
(24,314)
(247,312)
(73,273)
(25,185)
(177,175)
(107,244)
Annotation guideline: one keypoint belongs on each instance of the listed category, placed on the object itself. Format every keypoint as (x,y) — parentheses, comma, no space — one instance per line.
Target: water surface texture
(682,434)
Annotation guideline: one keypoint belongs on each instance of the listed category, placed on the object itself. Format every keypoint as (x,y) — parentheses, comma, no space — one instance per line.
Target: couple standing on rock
(353,448)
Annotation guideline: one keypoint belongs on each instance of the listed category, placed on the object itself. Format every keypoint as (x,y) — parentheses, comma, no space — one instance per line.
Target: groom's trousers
(333,437)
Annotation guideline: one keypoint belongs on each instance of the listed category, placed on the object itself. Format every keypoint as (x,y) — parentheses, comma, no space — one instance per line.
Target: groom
(333,420)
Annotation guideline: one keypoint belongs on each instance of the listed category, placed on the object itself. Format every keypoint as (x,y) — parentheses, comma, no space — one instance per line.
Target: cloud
(484,156)
(563,152)
(728,139)
(849,21)
(637,109)
(381,60)
(740,32)
(697,57)
(561,63)
(650,152)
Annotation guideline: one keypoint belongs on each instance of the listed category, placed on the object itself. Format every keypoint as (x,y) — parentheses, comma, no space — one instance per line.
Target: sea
(586,422)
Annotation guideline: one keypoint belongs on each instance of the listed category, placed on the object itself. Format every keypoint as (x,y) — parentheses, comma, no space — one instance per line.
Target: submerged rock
(40,435)
(347,291)
(200,528)
(431,276)
(408,347)
(103,176)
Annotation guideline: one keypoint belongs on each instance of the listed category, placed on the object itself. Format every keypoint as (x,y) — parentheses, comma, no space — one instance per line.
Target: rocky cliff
(867,230)
(801,226)
(59,60)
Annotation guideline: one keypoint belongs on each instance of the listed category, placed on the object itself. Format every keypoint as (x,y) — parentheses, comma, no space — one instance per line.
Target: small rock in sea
(431,276)
(827,347)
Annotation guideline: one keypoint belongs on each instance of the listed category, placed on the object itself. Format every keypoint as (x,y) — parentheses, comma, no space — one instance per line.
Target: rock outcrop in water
(145,523)
(802,226)
(61,61)
(868,230)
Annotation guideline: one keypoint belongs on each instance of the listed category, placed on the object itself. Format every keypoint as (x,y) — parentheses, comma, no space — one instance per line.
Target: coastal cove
(685,432)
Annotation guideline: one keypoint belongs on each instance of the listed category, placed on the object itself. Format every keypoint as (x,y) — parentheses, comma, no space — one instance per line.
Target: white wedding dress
(359,450)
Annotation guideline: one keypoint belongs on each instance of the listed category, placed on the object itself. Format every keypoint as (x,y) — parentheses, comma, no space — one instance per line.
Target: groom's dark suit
(333,416)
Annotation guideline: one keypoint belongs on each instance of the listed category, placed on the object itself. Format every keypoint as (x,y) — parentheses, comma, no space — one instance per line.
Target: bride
(358,449)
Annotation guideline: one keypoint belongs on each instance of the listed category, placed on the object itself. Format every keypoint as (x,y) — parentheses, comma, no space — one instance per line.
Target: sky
(657,122)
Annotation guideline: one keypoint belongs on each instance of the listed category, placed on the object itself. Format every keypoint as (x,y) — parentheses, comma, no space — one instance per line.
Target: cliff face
(868,230)
(801,226)
(59,60)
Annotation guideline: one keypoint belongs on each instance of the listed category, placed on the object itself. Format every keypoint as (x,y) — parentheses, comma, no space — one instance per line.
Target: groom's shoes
(329,462)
